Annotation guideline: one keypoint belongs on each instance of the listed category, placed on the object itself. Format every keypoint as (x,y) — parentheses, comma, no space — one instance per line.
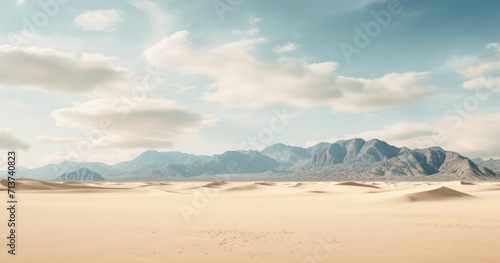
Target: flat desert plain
(255,222)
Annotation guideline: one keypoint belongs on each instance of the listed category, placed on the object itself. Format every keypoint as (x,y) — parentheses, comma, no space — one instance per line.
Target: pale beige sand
(256,222)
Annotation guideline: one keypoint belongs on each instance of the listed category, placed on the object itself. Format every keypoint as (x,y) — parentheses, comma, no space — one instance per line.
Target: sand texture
(255,222)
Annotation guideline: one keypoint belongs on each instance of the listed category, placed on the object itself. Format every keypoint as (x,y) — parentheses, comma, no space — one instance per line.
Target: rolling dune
(437,194)
(256,222)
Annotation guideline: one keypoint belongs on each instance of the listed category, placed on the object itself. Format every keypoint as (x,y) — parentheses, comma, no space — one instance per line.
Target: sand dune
(246,222)
(437,194)
(30,184)
(319,192)
(265,183)
(215,184)
(358,184)
(245,187)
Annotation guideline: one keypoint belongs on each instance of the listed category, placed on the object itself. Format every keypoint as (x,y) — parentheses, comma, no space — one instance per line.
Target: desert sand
(255,222)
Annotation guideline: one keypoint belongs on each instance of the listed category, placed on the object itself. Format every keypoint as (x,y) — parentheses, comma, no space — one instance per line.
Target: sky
(106,80)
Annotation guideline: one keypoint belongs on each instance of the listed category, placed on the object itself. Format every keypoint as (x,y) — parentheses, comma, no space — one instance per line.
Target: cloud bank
(483,72)
(144,123)
(240,79)
(51,70)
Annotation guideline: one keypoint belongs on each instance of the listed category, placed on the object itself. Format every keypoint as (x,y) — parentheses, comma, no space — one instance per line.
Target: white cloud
(99,20)
(495,46)
(482,72)
(289,47)
(20,2)
(310,143)
(161,20)
(249,32)
(11,142)
(492,83)
(458,62)
(482,67)
(390,90)
(242,80)
(475,136)
(143,4)
(109,157)
(140,123)
(51,70)
(253,22)
(57,140)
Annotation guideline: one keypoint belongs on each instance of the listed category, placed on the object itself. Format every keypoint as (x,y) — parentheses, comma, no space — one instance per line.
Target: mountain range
(354,159)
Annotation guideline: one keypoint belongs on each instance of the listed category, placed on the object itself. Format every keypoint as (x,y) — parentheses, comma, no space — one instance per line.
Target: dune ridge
(440,193)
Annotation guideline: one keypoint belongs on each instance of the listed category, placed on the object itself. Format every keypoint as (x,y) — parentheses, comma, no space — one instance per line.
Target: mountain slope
(352,151)
(286,155)
(431,161)
(51,171)
(158,159)
(491,164)
(80,175)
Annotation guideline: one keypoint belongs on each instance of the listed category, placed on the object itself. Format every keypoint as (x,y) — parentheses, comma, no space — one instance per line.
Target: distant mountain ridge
(155,158)
(230,162)
(80,175)
(354,159)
